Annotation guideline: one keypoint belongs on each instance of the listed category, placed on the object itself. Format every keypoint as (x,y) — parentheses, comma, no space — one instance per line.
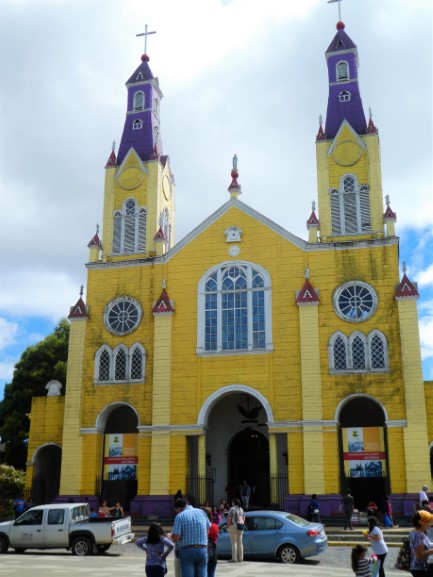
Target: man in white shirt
(423,495)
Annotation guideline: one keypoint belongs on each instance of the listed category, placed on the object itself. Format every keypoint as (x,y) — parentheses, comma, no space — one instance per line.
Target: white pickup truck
(63,525)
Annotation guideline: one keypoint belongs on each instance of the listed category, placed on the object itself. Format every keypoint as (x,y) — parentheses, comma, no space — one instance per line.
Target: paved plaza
(128,560)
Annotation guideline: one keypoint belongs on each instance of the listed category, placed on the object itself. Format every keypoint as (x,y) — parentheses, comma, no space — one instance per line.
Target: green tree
(38,364)
(11,485)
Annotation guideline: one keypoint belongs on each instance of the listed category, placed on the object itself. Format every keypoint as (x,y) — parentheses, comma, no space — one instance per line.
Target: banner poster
(120,457)
(364,452)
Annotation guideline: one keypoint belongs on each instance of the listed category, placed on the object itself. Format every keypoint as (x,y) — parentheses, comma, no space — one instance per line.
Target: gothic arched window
(138,101)
(137,124)
(120,364)
(137,357)
(350,207)
(235,309)
(344,96)
(342,71)
(129,228)
(357,353)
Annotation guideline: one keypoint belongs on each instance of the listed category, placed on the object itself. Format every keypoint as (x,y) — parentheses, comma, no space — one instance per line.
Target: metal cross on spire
(339,7)
(145,34)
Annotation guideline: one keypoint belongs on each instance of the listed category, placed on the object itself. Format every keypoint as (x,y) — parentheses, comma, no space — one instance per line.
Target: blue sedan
(277,535)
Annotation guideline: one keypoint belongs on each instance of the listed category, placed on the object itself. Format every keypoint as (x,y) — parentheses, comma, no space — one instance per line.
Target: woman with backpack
(236,526)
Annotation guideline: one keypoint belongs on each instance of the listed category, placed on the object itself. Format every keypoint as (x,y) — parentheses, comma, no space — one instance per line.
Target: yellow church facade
(241,352)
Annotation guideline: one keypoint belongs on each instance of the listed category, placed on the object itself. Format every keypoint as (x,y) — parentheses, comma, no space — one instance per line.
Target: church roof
(341,41)
(111,160)
(406,289)
(142,73)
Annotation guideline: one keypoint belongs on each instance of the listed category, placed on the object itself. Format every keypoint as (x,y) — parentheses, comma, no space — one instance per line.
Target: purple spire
(142,126)
(344,100)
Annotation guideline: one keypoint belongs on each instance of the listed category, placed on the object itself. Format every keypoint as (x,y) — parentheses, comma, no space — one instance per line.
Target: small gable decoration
(163,305)
(307,295)
(233,234)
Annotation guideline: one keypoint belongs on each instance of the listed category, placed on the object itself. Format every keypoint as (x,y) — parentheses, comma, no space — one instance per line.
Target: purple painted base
(402,504)
(160,505)
(93,500)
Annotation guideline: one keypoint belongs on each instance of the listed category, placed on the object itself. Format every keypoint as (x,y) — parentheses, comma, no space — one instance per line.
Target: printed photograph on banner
(120,457)
(364,452)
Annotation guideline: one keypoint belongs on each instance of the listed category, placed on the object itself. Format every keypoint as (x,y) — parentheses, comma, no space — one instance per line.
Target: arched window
(120,364)
(137,363)
(103,364)
(234,309)
(350,207)
(139,101)
(378,350)
(357,353)
(344,96)
(129,229)
(342,71)
(137,124)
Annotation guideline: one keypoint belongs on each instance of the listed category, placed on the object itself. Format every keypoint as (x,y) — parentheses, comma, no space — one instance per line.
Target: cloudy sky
(238,76)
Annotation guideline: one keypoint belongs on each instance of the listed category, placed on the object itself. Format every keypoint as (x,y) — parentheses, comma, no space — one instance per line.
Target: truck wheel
(82,546)
(3,545)
(103,548)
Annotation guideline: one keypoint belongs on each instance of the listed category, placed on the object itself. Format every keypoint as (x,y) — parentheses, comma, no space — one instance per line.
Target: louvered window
(342,71)
(120,366)
(236,310)
(350,207)
(129,229)
(139,101)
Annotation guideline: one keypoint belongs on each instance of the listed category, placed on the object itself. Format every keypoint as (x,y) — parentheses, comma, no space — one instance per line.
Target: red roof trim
(321,135)
(95,242)
(112,160)
(406,289)
(160,235)
(163,304)
(78,311)
(371,129)
(389,213)
(307,296)
(313,219)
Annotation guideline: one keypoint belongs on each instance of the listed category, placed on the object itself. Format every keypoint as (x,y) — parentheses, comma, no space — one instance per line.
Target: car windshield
(297,520)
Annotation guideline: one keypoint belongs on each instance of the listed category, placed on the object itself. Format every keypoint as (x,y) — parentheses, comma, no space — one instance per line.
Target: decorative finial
(307,273)
(370,112)
(387,199)
(320,119)
(235,162)
(81,290)
(404,267)
(164,284)
(145,34)
(313,205)
(113,146)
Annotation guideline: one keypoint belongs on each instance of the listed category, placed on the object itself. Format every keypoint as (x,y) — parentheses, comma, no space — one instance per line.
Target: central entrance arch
(248,460)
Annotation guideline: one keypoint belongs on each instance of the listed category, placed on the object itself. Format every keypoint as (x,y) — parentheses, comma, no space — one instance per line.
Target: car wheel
(3,545)
(103,548)
(82,546)
(288,554)
(19,549)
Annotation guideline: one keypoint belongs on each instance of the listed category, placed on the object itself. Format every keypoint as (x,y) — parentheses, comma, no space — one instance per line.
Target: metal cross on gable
(145,34)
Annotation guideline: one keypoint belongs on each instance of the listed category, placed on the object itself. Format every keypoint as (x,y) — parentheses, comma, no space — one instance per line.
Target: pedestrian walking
(377,542)
(420,545)
(361,564)
(348,509)
(236,526)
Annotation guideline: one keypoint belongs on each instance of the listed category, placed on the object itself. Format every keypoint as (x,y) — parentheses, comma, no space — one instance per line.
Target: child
(360,562)
(216,515)
(157,548)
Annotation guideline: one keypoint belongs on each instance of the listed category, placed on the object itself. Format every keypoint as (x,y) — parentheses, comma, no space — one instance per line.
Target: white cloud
(8,333)
(7,369)
(425,277)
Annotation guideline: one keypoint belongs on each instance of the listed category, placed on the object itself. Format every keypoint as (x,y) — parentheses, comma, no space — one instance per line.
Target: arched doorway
(363,442)
(46,474)
(120,460)
(248,460)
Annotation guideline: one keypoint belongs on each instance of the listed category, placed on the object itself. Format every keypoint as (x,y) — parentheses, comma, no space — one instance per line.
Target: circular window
(122,316)
(355,301)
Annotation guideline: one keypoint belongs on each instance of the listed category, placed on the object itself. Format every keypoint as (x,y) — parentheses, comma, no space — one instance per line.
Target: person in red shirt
(212,536)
